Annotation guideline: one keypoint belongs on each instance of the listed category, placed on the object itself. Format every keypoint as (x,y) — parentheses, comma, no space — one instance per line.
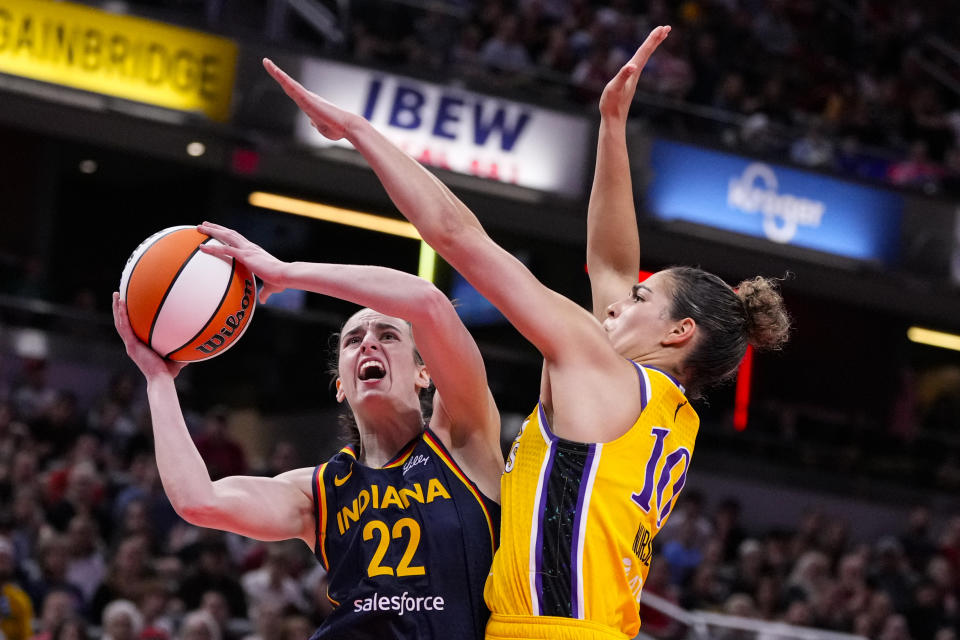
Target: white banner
(457,130)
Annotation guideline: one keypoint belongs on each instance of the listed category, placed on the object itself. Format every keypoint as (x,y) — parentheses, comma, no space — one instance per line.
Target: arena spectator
(83,493)
(32,395)
(296,626)
(267,621)
(504,51)
(50,571)
(199,625)
(154,604)
(59,606)
(272,585)
(126,572)
(283,457)
(224,455)
(87,565)
(215,603)
(57,428)
(121,621)
(212,573)
(71,629)
(16,608)
(917,169)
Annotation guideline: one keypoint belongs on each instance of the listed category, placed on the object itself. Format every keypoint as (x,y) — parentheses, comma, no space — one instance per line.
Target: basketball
(185,304)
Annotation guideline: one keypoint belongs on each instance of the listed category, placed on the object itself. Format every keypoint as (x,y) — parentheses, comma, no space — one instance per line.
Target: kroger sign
(785,206)
(458,130)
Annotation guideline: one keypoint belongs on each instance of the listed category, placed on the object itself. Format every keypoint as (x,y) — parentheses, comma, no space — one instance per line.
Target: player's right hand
(262,263)
(147,360)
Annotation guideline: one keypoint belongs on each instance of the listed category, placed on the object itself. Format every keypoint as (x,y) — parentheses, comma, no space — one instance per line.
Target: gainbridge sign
(121,56)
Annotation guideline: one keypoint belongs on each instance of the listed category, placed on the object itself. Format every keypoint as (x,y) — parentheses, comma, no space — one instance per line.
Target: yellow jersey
(578,519)
(16,613)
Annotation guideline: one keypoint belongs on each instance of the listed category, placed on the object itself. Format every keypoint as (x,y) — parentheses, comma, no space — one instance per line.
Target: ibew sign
(783,205)
(458,130)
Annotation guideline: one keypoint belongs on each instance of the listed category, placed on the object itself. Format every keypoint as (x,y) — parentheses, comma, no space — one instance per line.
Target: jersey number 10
(675,457)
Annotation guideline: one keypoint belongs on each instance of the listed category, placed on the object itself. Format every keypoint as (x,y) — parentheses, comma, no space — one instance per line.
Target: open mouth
(372,370)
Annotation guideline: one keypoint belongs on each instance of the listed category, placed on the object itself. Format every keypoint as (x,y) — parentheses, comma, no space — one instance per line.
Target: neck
(667,365)
(381,439)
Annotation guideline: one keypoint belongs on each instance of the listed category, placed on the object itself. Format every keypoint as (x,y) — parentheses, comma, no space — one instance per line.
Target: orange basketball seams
(229,320)
(153,274)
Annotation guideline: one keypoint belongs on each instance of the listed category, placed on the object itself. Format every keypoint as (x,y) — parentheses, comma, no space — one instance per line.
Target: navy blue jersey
(407,547)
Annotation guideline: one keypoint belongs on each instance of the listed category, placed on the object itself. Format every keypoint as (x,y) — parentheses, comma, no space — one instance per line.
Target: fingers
(116,311)
(286,82)
(221,233)
(121,321)
(219,250)
(623,76)
(291,87)
(626,79)
(268,290)
(119,314)
(649,45)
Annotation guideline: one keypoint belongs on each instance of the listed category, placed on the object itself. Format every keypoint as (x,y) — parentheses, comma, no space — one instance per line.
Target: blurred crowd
(902,586)
(90,547)
(862,87)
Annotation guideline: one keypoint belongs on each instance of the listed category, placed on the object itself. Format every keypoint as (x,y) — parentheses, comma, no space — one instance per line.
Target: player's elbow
(198,512)
(429,303)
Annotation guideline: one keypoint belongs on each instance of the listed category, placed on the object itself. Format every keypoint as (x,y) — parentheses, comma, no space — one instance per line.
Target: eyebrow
(378,326)
(640,285)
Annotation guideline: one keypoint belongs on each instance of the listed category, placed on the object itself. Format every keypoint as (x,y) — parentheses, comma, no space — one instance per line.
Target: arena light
(427,266)
(934,338)
(741,402)
(427,269)
(336,215)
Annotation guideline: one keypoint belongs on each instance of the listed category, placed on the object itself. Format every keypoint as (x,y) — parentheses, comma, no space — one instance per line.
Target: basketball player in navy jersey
(406,526)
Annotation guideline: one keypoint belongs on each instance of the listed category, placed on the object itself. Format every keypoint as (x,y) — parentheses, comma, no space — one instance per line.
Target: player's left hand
(618,94)
(263,264)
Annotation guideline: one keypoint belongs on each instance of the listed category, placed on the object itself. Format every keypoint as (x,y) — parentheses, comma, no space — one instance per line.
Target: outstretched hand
(618,94)
(147,360)
(259,261)
(330,120)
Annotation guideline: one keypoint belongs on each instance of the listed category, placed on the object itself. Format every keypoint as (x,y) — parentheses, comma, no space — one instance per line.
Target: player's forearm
(419,195)
(182,471)
(389,291)
(612,237)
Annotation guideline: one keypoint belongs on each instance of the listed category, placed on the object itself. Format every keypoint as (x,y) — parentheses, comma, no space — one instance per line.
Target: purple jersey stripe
(541,510)
(643,385)
(575,568)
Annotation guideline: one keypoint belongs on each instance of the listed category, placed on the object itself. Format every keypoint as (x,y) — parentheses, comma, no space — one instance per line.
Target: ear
(681,333)
(340,394)
(423,377)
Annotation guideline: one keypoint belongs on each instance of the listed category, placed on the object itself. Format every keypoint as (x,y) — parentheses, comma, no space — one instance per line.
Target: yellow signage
(116,55)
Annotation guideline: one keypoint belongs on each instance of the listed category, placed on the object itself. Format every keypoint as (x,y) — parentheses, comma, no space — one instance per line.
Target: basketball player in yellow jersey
(598,465)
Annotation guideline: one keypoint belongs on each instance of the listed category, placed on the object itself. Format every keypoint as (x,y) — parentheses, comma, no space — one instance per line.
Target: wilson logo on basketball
(232,323)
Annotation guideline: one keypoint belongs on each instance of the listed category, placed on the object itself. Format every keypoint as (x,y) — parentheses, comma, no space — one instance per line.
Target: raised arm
(559,328)
(449,351)
(613,244)
(277,508)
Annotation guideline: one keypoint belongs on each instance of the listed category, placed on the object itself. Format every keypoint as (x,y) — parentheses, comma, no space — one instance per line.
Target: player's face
(377,360)
(637,324)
